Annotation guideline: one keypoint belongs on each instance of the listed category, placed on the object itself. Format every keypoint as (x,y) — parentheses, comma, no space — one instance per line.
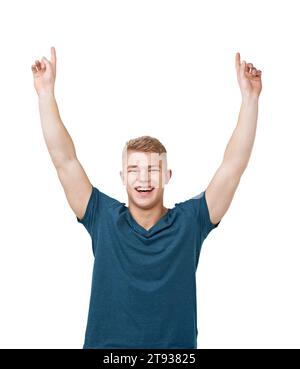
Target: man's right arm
(72,176)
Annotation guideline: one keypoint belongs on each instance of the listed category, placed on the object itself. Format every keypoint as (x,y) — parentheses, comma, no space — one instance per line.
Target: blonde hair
(145,144)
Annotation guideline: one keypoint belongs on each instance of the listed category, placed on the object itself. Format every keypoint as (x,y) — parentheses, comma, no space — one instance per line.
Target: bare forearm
(59,142)
(239,147)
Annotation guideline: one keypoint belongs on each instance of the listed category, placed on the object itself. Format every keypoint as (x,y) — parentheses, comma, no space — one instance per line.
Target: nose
(143,175)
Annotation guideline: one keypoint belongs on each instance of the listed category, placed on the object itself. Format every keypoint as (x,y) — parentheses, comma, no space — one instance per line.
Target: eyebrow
(136,166)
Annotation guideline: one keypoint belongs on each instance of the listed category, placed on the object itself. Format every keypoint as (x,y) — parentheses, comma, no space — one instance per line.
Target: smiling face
(145,175)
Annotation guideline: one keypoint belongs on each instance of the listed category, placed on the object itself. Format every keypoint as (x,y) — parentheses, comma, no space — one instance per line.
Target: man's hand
(249,78)
(44,73)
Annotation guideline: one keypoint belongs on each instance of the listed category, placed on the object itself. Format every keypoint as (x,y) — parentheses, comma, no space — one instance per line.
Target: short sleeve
(97,207)
(202,214)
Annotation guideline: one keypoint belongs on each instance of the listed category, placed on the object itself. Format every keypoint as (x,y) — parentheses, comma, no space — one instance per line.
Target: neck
(147,217)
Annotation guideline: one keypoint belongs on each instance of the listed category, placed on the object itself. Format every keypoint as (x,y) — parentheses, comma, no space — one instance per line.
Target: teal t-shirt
(143,292)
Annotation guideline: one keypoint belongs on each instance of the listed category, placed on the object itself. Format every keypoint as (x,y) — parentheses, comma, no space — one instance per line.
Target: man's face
(145,175)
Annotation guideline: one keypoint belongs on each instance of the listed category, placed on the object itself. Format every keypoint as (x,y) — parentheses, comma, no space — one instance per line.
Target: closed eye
(150,170)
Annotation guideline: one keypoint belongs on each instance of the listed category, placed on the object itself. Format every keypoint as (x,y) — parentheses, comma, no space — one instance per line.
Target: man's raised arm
(72,176)
(223,185)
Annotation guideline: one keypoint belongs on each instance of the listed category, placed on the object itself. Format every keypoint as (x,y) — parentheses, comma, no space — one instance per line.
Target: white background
(167,69)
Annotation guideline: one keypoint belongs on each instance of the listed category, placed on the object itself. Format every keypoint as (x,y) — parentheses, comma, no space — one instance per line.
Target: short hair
(145,144)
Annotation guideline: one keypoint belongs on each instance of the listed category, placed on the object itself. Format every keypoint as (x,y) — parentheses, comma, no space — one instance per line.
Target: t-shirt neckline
(140,229)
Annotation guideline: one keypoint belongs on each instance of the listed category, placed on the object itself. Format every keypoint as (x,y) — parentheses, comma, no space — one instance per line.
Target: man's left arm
(223,185)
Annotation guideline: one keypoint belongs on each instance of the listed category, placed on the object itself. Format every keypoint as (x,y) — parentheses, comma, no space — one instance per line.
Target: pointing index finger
(237,60)
(53,55)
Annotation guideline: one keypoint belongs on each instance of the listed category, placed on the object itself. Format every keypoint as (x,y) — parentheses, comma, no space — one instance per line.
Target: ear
(121,175)
(168,176)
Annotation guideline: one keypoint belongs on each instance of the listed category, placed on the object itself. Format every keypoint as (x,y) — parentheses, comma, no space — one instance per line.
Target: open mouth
(144,189)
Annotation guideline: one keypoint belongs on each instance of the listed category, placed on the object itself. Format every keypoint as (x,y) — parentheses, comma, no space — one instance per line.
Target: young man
(145,256)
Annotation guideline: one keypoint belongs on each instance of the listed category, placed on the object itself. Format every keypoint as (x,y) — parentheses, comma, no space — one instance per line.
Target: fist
(249,77)
(44,73)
